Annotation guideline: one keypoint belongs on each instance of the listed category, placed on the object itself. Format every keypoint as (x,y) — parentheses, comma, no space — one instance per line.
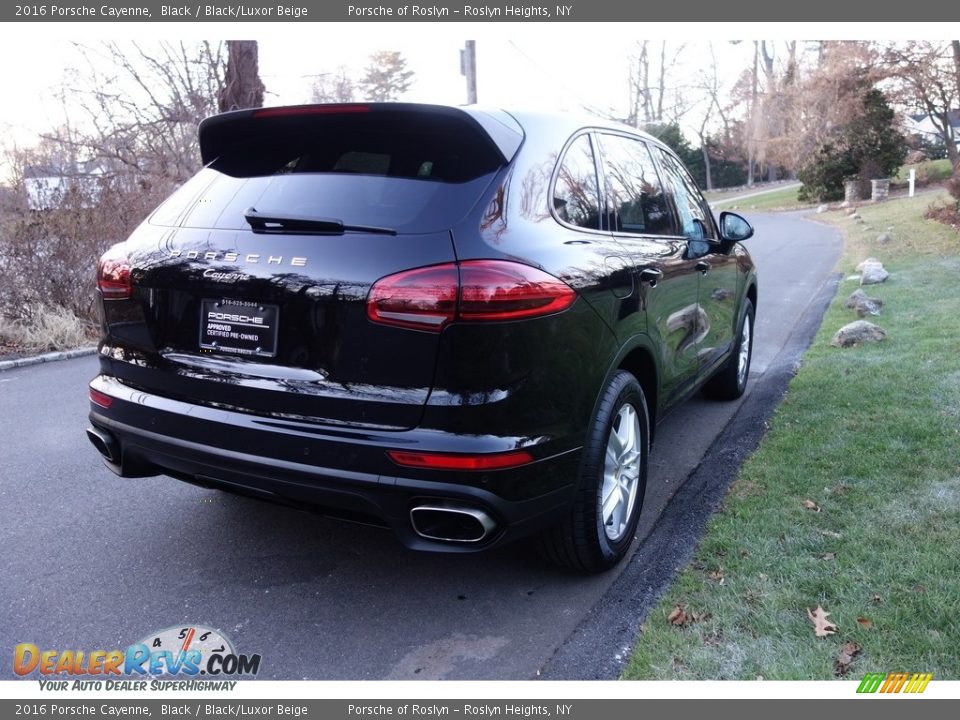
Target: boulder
(858,332)
(873,274)
(822,209)
(863,304)
(883,238)
(869,261)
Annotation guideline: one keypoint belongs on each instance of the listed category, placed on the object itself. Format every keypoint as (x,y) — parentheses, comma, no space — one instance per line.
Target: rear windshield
(409,174)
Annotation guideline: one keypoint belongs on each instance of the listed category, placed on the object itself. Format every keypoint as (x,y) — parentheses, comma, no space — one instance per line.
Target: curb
(46,357)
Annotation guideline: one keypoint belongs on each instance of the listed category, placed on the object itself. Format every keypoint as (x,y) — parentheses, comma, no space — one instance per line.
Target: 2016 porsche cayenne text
(462,324)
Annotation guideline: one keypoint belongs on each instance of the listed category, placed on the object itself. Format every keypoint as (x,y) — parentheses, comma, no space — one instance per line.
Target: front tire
(613,477)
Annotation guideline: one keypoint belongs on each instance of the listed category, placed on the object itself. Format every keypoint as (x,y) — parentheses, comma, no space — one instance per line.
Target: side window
(694,212)
(576,196)
(637,200)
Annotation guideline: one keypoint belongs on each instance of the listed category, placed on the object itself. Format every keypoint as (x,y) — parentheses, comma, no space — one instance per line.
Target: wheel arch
(638,358)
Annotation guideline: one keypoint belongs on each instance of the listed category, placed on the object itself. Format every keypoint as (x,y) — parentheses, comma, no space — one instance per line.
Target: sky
(560,70)
(523,65)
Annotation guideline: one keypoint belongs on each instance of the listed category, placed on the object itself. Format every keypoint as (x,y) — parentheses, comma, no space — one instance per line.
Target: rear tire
(731,381)
(600,528)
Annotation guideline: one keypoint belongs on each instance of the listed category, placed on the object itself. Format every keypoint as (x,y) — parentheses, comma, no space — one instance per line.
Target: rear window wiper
(277,223)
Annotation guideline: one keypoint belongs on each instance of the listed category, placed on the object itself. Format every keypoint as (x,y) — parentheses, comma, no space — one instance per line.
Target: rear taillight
(113,276)
(423,299)
(500,290)
(472,291)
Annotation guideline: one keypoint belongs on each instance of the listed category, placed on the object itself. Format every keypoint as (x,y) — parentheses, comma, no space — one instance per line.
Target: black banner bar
(480,11)
(875,709)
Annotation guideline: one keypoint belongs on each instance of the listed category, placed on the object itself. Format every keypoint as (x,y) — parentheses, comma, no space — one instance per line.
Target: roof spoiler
(219,133)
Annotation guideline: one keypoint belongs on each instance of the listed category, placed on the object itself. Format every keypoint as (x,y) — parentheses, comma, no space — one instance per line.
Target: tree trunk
(708,178)
(242,87)
(955,156)
(956,62)
(752,141)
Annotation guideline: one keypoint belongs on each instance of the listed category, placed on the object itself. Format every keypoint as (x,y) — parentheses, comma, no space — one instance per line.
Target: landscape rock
(858,332)
(884,238)
(822,209)
(863,304)
(873,274)
(869,261)
(854,215)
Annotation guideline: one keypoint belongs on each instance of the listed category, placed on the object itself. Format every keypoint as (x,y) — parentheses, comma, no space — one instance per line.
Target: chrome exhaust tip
(451,523)
(105,444)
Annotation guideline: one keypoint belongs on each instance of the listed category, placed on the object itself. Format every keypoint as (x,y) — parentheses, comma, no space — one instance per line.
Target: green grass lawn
(777,200)
(869,438)
(929,171)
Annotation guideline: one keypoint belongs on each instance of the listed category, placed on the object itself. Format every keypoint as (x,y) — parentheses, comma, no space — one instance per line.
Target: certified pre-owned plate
(239,326)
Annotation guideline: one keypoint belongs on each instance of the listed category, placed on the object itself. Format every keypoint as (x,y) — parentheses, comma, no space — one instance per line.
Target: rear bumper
(337,471)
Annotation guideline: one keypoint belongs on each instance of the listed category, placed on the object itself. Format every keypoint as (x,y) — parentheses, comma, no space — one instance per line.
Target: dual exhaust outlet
(450,522)
(105,444)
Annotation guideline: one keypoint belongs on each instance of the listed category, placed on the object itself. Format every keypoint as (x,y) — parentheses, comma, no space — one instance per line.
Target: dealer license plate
(239,326)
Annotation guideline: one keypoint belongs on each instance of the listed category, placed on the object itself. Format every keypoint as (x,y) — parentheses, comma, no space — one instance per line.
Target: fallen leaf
(811,505)
(865,623)
(821,626)
(827,556)
(831,534)
(677,616)
(643,628)
(877,600)
(716,576)
(847,652)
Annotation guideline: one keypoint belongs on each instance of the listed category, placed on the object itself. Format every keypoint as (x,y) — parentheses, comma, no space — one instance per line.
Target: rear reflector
(445,461)
(98,398)
(430,298)
(310,110)
(113,276)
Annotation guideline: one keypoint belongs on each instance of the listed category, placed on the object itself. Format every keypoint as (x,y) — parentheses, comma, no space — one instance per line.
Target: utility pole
(468,68)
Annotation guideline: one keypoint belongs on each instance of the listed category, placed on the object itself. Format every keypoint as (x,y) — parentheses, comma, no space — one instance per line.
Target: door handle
(651,276)
(703,266)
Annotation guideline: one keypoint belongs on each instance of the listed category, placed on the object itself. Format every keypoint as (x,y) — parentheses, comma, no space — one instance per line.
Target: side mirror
(734,228)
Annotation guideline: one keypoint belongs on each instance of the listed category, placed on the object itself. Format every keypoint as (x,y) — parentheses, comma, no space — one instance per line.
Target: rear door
(643,222)
(716,264)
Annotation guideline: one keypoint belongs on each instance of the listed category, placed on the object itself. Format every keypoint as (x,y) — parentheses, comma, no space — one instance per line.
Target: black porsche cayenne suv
(462,324)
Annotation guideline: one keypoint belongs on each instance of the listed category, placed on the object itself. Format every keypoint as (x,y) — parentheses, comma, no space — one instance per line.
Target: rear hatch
(249,284)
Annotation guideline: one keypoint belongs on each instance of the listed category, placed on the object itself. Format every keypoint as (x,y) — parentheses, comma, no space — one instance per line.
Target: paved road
(93,561)
(726,199)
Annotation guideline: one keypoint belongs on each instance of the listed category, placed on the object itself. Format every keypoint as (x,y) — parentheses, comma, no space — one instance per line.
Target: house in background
(47,186)
(924,126)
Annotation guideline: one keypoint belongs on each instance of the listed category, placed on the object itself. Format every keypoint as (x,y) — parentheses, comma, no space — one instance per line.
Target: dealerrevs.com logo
(192,657)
